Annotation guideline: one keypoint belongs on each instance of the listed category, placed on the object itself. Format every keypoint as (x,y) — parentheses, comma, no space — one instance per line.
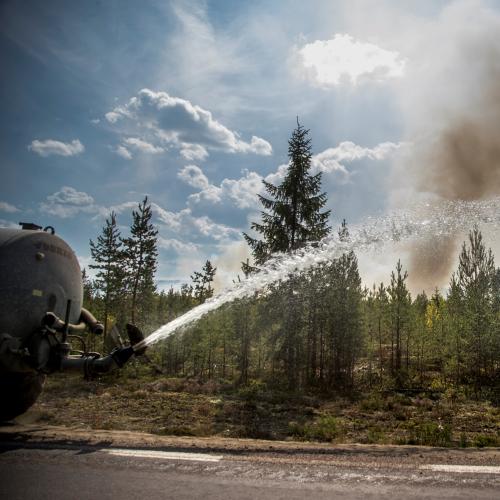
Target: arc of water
(439,220)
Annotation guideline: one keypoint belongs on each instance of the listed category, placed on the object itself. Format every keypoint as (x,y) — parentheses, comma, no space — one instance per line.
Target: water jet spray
(442,220)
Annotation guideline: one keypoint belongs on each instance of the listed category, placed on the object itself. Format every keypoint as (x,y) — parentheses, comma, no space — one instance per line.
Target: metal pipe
(86,320)
(51,320)
(136,338)
(91,365)
(66,321)
(89,319)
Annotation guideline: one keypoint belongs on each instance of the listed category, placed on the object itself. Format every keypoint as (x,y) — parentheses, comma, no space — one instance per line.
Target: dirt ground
(173,407)
(376,456)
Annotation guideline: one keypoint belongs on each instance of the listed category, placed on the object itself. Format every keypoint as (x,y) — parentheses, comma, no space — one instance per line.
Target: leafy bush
(253,390)
(431,434)
(400,412)
(454,395)
(437,385)
(463,440)
(375,435)
(373,403)
(483,440)
(326,428)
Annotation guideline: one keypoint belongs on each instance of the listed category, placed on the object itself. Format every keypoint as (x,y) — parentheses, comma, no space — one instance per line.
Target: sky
(192,104)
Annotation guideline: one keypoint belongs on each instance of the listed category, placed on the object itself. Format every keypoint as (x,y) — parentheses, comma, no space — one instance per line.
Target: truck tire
(18,392)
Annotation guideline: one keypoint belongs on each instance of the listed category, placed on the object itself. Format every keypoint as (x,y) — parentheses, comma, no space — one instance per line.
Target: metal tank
(38,273)
(41,311)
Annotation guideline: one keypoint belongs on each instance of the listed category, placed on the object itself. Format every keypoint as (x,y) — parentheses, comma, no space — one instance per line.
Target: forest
(319,331)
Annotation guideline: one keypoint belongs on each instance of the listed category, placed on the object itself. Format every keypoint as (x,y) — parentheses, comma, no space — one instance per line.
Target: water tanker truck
(41,314)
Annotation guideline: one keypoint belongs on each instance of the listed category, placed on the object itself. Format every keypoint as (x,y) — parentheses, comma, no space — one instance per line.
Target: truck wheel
(18,391)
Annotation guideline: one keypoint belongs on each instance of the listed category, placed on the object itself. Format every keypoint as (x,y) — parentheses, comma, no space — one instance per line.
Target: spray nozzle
(136,337)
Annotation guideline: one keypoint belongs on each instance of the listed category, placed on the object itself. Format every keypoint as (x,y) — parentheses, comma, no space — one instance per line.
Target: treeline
(319,329)
(322,330)
(124,289)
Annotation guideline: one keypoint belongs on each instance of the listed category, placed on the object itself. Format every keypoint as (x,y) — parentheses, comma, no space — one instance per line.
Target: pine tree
(140,254)
(202,282)
(88,290)
(293,214)
(474,286)
(422,341)
(107,256)
(399,305)
(344,315)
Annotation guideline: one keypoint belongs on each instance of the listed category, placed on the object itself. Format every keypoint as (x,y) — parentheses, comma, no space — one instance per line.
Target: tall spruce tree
(141,253)
(107,256)
(293,215)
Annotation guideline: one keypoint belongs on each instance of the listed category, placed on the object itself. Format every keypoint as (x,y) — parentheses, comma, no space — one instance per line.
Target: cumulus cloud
(68,202)
(345,60)
(51,147)
(242,193)
(334,159)
(176,227)
(120,208)
(171,220)
(185,223)
(7,207)
(117,114)
(257,145)
(278,176)
(123,152)
(8,224)
(186,126)
(194,177)
(208,228)
(178,246)
(143,146)
(193,152)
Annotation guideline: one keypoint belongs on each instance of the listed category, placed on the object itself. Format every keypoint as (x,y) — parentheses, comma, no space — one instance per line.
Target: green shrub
(373,403)
(483,440)
(432,434)
(252,391)
(399,412)
(463,440)
(375,435)
(326,428)
(437,385)
(454,395)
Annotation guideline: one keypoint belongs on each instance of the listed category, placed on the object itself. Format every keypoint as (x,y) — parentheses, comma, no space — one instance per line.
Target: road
(97,468)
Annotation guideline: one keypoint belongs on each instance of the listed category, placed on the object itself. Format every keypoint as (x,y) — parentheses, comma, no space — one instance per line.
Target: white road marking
(475,469)
(164,455)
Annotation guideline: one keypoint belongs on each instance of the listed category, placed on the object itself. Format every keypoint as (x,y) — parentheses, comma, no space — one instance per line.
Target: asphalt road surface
(65,469)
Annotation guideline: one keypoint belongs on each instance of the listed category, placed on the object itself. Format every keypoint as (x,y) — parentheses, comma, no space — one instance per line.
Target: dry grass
(186,407)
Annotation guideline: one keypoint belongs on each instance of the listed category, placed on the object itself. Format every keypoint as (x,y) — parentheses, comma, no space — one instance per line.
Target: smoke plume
(452,112)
